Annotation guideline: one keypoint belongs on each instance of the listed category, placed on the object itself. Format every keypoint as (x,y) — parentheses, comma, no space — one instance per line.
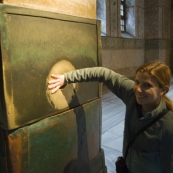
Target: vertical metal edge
(98,24)
(7,97)
(3,152)
(100,121)
(99,51)
(1,77)
(18,150)
(1,83)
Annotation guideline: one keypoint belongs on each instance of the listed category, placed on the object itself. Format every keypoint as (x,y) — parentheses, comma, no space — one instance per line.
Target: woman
(152,151)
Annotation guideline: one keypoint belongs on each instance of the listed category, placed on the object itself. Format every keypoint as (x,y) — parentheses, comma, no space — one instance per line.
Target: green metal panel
(67,142)
(34,44)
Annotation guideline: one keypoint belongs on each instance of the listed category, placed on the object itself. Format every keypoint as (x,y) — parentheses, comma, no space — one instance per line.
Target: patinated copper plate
(34,44)
(66,142)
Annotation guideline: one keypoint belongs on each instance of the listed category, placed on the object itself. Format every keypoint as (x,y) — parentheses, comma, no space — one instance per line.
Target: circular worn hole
(65,94)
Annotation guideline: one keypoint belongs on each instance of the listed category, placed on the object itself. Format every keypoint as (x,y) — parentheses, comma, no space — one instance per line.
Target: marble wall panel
(140,56)
(140,44)
(164,55)
(118,59)
(112,43)
(113,59)
(134,57)
(106,58)
(152,22)
(151,55)
(130,20)
(129,44)
(114,17)
(128,72)
(139,3)
(157,50)
(165,4)
(164,44)
(157,44)
(152,44)
(108,28)
(166,25)
(123,61)
(151,4)
(130,57)
(84,8)
(140,23)
(122,43)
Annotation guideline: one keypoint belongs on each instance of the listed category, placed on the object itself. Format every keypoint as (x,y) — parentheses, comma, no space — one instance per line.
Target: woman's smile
(147,91)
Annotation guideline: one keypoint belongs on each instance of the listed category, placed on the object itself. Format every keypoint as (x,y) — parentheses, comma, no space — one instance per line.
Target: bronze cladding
(34,44)
(67,142)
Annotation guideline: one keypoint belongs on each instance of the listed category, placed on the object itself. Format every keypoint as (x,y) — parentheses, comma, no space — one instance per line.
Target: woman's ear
(165,89)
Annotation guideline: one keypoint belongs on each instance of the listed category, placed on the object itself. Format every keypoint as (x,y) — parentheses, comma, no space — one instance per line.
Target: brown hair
(162,73)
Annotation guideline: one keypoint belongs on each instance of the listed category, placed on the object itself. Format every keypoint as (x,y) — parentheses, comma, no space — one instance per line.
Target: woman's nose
(138,88)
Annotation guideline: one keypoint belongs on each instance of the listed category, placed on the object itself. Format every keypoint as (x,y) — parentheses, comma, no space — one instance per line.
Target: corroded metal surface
(64,143)
(32,43)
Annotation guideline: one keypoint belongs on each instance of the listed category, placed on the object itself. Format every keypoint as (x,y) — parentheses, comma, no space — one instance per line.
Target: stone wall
(149,22)
(121,54)
(84,8)
(157,30)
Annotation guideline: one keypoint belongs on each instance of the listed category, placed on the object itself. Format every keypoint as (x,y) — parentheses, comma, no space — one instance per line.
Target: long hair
(162,73)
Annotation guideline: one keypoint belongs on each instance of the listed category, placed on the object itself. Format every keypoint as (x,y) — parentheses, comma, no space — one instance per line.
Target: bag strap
(143,129)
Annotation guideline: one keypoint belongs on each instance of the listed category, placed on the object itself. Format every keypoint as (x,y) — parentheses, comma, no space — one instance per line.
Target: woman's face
(147,91)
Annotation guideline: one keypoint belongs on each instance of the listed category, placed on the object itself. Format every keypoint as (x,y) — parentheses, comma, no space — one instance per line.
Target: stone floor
(113,112)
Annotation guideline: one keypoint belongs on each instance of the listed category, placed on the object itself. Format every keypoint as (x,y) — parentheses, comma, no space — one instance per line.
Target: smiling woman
(153,81)
(148,92)
(145,100)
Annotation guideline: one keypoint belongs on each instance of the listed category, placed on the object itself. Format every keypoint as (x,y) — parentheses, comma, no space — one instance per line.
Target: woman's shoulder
(167,122)
(168,116)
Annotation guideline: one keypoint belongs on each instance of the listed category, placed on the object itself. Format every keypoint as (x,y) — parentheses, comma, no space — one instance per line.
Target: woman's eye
(147,85)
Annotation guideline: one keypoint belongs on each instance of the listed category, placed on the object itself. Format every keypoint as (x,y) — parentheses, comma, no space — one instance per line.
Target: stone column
(115,18)
(157,30)
(85,8)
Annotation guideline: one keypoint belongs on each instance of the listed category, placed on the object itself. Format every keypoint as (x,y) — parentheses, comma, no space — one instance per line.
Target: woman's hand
(57,82)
